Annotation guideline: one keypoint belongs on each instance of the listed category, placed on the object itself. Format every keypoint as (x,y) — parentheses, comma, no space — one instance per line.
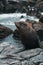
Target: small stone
(25,62)
(41,64)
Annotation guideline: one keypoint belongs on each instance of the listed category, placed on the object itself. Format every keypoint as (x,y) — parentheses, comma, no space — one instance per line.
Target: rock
(39,28)
(40,34)
(8,55)
(37,59)
(25,62)
(41,64)
(41,19)
(41,43)
(11,6)
(7,48)
(4,31)
(39,5)
(21,17)
(28,35)
(27,54)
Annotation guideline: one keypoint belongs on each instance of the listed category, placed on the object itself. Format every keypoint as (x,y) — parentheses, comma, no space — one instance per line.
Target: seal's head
(23,26)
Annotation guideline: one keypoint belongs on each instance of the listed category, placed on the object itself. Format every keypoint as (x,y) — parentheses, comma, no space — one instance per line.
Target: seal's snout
(17,25)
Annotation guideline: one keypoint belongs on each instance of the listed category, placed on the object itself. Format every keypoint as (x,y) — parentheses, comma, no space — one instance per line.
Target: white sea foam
(41,13)
(12,15)
(8,19)
(7,23)
(23,19)
(33,18)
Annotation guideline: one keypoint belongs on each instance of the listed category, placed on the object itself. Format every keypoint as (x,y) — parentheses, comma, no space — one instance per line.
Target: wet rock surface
(4,31)
(39,29)
(25,6)
(10,55)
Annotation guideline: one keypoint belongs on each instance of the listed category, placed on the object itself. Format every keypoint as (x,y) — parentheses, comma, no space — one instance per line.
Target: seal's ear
(17,24)
(14,22)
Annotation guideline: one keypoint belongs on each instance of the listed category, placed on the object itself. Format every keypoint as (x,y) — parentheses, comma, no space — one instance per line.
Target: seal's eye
(22,24)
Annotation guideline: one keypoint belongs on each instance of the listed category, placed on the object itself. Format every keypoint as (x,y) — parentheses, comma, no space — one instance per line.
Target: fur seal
(29,36)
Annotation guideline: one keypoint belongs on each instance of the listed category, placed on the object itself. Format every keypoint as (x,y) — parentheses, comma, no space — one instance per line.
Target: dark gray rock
(30,53)
(37,59)
(41,64)
(4,31)
(6,48)
(11,6)
(10,55)
(39,29)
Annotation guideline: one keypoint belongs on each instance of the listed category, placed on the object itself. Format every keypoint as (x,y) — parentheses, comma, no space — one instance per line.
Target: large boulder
(4,31)
(39,28)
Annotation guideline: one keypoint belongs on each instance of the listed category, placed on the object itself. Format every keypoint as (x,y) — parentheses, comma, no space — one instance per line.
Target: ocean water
(8,21)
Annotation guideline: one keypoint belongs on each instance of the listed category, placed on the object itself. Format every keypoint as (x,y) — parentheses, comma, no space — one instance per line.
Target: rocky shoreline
(30,7)
(10,55)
